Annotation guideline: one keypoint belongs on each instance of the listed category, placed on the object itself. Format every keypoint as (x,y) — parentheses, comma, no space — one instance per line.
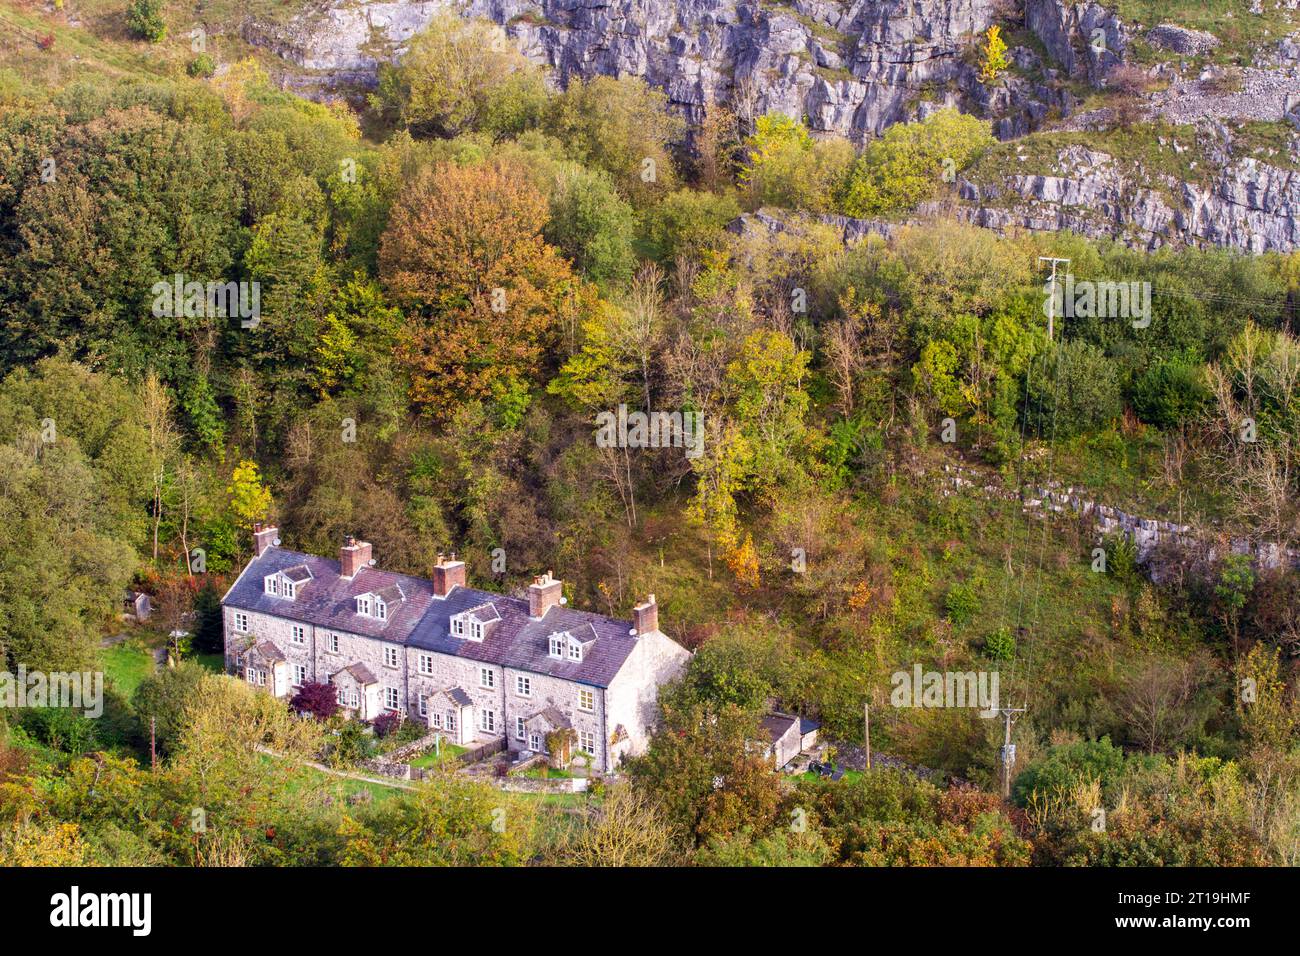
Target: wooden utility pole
(866,727)
(1008,755)
(1051,308)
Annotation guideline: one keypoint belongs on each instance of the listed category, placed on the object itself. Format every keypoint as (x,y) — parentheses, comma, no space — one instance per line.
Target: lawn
(213,662)
(430,759)
(126,665)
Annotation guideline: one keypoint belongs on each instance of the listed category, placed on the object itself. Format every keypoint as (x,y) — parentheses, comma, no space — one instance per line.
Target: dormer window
(557,645)
(363,605)
(286,583)
(381,610)
(574,650)
(476,623)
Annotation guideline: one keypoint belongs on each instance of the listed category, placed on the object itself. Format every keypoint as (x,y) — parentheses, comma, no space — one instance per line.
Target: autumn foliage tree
(483,292)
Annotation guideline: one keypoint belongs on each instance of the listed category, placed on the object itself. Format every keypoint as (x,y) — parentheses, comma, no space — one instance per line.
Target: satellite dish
(371,561)
(276,542)
(563,599)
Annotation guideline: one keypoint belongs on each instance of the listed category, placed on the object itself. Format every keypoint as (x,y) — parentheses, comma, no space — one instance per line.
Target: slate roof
(391,595)
(553,717)
(298,573)
(423,620)
(363,674)
(270,651)
(777,725)
(458,696)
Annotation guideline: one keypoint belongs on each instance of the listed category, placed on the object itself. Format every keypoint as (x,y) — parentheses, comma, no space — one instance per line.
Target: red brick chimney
(353,556)
(645,617)
(264,538)
(448,575)
(543,594)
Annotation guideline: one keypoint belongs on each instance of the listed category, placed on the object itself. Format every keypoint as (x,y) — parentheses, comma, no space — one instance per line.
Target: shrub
(144,19)
(1075,390)
(319,700)
(386,723)
(1000,645)
(909,163)
(961,604)
(1170,393)
(201,66)
(60,728)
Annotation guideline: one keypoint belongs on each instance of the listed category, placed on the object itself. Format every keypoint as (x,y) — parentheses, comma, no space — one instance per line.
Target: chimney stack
(264,538)
(448,575)
(543,594)
(353,556)
(645,617)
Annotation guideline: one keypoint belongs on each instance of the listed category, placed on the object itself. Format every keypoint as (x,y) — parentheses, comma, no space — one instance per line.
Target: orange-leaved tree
(484,294)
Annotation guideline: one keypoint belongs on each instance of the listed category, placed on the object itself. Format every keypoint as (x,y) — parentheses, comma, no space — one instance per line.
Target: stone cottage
(476,665)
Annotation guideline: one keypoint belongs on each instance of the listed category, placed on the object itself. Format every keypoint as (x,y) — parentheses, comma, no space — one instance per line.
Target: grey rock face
(1085,38)
(852,68)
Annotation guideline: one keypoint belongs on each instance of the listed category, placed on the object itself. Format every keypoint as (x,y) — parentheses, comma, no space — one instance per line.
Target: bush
(144,19)
(1170,393)
(201,66)
(1074,391)
(961,604)
(909,163)
(319,700)
(386,723)
(60,728)
(1000,645)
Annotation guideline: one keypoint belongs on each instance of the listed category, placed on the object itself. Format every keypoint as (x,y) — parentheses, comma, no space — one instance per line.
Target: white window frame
(435,720)
(289,589)
(557,646)
(391,658)
(363,604)
(487,678)
(451,720)
(241,622)
(392,698)
(298,634)
(476,630)
(520,733)
(381,610)
(332,643)
(574,651)
(487,720)
(587,700)
(458,626)
(271,584)
(536,743)
(587,742)
(523,685)
(299,674)
(422,705)
(424,663)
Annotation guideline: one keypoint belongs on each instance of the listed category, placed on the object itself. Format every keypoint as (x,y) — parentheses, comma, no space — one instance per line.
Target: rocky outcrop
(1181,40)
(1085,38)
(852,68)
(1248,205)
